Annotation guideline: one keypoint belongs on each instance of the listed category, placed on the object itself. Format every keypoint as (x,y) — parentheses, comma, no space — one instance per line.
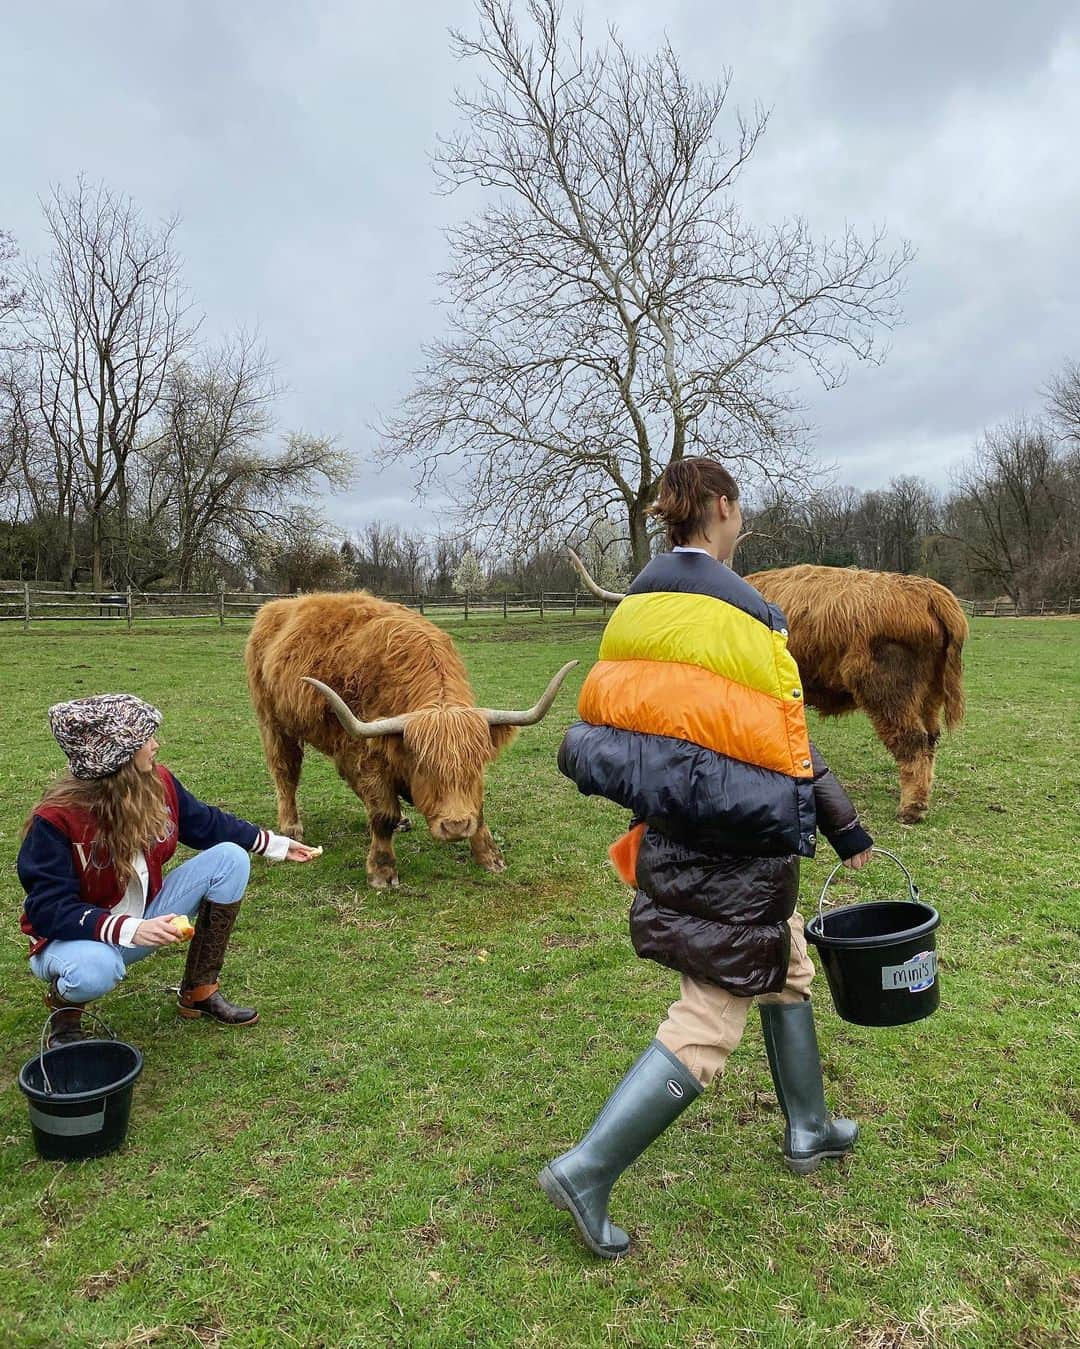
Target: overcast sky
(293,140)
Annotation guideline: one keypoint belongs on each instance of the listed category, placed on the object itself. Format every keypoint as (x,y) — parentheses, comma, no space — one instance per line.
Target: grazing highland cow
(384,693)
(890,646)
(885,644)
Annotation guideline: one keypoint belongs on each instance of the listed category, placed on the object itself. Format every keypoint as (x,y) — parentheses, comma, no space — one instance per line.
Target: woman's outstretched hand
(157,931)
(860,859)
(300,852)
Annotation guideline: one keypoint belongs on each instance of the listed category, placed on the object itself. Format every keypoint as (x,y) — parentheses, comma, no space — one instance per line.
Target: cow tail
(955,625)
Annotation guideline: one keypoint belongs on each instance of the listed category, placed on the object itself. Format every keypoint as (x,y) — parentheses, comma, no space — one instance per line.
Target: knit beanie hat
(102,733)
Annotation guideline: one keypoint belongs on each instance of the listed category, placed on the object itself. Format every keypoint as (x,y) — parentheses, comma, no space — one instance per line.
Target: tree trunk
(123,550)
(639,538)
(97,562)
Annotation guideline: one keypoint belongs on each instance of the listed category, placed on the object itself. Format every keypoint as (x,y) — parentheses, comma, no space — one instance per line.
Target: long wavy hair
(128,807)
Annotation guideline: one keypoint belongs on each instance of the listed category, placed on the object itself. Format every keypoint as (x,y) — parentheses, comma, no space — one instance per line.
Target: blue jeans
(85,970)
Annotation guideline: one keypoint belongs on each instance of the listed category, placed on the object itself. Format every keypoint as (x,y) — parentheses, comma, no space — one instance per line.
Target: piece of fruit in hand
(183,927)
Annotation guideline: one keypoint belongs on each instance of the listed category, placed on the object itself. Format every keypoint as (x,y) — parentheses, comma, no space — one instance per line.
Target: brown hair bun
(687,489)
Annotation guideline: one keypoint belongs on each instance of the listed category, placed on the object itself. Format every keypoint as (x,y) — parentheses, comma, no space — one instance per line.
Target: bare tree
(210,475)
(299,556)
(215,410)
(1013,503)
(611,309)
(10,291)
(1063,402)
(104,320)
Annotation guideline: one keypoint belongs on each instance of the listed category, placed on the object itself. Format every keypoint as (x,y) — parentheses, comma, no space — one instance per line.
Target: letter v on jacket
(692,719)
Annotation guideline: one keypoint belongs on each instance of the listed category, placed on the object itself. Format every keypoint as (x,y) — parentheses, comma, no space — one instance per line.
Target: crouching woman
(693,720)
(92,859)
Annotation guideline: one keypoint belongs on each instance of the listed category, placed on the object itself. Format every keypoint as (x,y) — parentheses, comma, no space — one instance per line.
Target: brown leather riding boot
(66,1026)
(199,994)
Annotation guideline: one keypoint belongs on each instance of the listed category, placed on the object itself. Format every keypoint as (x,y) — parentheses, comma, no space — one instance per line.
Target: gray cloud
(293,140)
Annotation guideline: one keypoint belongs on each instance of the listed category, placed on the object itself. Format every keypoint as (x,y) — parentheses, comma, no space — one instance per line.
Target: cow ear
(501,737)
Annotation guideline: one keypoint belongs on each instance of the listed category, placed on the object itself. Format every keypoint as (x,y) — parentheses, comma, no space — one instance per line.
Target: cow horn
(612,596)
(499,717)
(353,724)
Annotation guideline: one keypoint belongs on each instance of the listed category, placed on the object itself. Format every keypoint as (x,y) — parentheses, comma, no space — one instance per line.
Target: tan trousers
(707,1023)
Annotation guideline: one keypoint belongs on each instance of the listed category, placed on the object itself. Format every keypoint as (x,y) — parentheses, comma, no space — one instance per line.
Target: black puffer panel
(724,888)
(744,960)
(717,917)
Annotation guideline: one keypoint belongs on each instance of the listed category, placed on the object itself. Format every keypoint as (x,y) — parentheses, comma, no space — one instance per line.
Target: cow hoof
(383,881)
(403,825)
(914,814)
(493,864)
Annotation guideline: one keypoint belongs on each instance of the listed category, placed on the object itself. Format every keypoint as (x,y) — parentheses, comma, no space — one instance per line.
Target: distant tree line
(132,452)
(1009,525)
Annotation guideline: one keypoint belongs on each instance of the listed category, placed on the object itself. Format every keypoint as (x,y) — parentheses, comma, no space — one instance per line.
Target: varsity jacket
(693,720)
(71,883)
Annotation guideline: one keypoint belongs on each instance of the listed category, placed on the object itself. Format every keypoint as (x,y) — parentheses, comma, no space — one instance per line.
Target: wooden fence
(1007,609)
(28,604)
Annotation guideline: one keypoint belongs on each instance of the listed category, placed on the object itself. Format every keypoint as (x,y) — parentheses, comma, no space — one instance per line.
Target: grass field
(359,1169)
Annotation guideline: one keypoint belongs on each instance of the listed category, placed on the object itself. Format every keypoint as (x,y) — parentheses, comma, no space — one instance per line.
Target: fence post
(994,614)
(504,604)
(466,606)
(541,602)
(575,603)
(129,608)
(26,604)
(221,606)
(421,604)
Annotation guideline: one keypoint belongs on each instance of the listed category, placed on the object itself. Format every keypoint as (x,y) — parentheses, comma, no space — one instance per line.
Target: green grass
(359,1169)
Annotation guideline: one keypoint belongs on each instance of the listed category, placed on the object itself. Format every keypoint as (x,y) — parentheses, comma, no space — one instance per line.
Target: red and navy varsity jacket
(69,878)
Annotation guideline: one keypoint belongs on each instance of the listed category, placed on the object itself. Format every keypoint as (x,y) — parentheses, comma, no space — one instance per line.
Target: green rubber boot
(812,1135)
(655,1091)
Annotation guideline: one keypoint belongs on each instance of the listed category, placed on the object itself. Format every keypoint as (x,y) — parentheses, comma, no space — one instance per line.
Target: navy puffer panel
(693,793)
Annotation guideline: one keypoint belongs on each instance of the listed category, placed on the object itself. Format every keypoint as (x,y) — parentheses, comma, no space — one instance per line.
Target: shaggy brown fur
(886,644)
(384,660)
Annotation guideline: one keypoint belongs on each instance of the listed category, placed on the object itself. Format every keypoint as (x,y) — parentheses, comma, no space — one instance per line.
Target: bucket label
(916,974)
(68,1126)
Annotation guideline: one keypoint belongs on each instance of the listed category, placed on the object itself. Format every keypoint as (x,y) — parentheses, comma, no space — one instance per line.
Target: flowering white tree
(606,554)
(469,578)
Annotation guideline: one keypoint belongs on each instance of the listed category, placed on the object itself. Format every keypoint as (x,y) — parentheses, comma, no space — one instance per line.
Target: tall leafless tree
(105,318)
(10,291)
(209,473)
(1063,402)
(612,309)
(1013,502)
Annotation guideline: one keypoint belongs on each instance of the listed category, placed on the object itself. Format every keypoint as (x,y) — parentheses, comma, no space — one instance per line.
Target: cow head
(443,752)
(446,750)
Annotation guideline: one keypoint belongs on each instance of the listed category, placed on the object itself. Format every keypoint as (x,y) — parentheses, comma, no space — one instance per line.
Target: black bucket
(80,1096)
(880,959)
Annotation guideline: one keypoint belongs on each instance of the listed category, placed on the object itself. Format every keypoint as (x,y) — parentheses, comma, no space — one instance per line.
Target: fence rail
(28,604)
(1008,609)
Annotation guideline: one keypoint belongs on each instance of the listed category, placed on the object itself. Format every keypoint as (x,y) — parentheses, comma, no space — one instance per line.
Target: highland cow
(877,642)
(383,692)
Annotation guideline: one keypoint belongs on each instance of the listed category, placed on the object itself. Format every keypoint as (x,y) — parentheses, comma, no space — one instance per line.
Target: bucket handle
(45,1031)
(912,887)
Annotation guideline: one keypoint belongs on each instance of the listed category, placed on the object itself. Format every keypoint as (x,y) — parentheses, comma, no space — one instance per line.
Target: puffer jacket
(693,720)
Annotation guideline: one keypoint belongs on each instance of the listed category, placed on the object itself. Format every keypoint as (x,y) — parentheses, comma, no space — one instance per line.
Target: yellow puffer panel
(700,630)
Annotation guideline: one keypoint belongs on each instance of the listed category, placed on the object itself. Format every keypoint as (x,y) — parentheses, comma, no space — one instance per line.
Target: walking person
(92,858)
(693,720)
